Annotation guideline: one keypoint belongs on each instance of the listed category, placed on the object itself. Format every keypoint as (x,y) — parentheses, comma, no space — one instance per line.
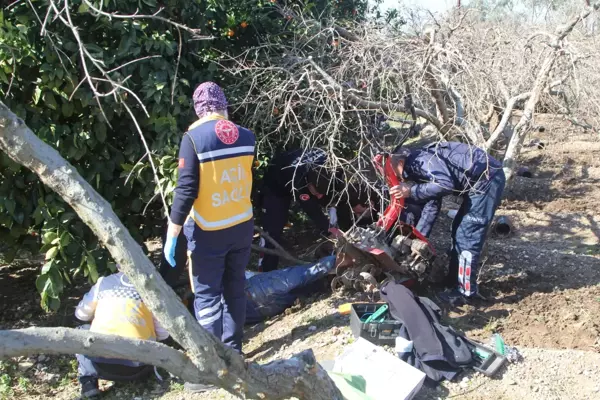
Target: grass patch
(176,387)
(6,390)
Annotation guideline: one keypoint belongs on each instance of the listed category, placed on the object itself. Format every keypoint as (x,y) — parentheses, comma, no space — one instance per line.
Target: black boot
(89,387)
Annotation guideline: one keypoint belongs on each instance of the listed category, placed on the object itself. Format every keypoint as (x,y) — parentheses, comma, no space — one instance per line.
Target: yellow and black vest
(225,153)
(121,311)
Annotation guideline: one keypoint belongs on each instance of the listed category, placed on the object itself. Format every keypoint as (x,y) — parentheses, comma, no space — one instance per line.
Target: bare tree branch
(540,84)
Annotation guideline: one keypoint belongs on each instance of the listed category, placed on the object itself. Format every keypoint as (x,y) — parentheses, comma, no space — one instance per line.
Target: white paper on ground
(387,377)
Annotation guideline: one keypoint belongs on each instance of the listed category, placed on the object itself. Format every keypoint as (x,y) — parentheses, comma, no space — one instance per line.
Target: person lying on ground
(450,168)
(114,307)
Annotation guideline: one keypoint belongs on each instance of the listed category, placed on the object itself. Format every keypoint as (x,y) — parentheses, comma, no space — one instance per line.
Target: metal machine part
(402,256)
(396,250)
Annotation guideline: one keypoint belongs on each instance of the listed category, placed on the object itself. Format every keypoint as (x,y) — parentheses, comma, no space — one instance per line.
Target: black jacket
(438,350)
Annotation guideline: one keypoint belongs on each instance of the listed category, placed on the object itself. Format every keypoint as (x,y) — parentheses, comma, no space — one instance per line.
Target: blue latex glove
(169,250)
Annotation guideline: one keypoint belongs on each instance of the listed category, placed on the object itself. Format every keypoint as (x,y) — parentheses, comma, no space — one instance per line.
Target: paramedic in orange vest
(212,204)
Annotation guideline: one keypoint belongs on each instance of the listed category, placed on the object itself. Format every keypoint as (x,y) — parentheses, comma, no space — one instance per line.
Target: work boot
(198,387)
(89,387)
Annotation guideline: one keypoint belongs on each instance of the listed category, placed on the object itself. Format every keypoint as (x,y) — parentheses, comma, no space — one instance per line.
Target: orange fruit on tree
(244,24)
(230,33)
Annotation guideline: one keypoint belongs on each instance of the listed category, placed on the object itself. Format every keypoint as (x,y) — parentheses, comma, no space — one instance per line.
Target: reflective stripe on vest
(225,152)
(225,186)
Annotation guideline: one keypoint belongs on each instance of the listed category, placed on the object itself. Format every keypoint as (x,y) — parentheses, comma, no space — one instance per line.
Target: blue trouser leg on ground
(469,230)
(274,218)
(218,262)
(85,369)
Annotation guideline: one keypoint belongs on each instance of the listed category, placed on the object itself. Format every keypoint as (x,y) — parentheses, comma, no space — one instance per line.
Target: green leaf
(55,241)
(49,237)
(83,8)
(67,109)
(66,276)
(100,131)
(19,217)
(50,101)
(44,301)
(42,282)
(151,3)
(46,268)
(57,285)
(136,205)
(95,50)
(9,205)
(54,303)
(65,239)
(92,268)
(50,254)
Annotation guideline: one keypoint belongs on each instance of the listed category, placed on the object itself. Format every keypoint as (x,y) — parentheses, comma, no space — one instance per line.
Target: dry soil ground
(542,283)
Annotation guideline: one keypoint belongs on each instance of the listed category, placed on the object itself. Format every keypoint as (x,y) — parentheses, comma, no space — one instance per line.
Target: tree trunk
(215,363)
(506,115)
(541,82)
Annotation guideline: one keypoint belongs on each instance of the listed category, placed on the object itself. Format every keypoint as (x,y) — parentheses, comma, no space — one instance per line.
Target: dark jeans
(275,210)
(92,369)
(469,231)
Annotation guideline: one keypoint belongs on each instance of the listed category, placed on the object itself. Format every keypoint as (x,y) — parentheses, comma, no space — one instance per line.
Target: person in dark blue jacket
(447,168)
(297,175)
(212,204)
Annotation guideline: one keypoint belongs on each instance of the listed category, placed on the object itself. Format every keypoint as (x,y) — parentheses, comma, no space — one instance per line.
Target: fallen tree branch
(374,105)
(26,342)
(215,363)
(541,82)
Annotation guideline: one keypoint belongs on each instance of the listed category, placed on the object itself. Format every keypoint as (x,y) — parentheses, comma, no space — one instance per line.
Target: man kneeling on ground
(114,307)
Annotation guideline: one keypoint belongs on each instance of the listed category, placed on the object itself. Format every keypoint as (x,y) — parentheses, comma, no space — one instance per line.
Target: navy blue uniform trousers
(469,231)
(218,261)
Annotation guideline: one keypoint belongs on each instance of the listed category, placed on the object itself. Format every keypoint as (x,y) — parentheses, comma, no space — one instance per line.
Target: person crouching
(114,307)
